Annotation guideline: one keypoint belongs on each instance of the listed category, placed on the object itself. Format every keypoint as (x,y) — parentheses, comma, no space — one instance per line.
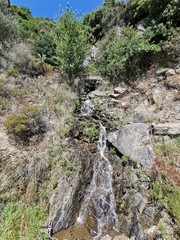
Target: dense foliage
(25,124)
(72,39)
(122,58)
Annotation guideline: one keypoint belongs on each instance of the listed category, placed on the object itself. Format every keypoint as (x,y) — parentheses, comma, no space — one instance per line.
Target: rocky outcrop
(62,200)
(171,129)
(133,141)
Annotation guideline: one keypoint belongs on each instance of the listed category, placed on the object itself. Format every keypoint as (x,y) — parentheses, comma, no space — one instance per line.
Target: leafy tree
(72,38)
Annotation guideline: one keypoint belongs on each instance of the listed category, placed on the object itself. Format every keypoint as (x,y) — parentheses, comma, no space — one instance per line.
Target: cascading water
(100,193)
(87,108)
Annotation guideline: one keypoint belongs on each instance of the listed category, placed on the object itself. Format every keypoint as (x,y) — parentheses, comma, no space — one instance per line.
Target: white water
(100,193)
(87,108)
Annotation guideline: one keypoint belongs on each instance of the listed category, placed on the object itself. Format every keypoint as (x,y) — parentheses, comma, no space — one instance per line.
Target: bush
(25,124)
(124,58)
(45,45)
(72,40)
(9,28)
(20,57)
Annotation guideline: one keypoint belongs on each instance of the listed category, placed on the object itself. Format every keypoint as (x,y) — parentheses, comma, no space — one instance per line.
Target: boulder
(170,72)
(133,141)
(166,129)
(173,82)
(62,201)
(121,91)
(161,72)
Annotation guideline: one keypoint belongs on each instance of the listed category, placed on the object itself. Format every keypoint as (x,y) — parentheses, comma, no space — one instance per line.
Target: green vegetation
(9,29)
(122,58)
(21,222)
(90,130)
(25,124)
(45,46)
(169,197)
(72,38)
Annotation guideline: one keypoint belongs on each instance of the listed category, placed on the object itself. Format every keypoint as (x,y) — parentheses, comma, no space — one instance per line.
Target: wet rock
(166,129)
(133,141)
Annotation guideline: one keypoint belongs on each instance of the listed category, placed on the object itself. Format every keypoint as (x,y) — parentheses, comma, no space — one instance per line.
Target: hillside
(90,123)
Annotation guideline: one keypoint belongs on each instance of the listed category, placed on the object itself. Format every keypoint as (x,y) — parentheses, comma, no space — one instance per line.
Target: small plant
(128,161)
(90,130)
(13,72)
(168,196)
(4,103)
(25,124)
(18,92)
(113,151)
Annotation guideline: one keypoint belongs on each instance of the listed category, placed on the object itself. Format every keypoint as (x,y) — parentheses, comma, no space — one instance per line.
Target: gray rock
(157,95)
(166,129)
(121,91)
(97,93)
(62,201)
(115,95)
(149,215)
(139,202)
(137,231)
(177,70)
(133,141)
(121,237)
(141,28)
(170,72)
(173,82)
(161,72)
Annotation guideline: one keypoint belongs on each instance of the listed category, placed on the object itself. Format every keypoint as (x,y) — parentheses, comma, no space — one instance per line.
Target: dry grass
(168,161)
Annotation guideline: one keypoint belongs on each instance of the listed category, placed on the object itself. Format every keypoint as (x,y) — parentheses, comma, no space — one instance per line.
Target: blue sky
(49,8)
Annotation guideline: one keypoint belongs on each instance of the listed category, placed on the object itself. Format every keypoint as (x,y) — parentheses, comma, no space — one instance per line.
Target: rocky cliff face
(143,126)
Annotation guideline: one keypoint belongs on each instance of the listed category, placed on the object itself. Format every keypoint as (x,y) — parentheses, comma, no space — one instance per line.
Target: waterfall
(87,108)
(100,193)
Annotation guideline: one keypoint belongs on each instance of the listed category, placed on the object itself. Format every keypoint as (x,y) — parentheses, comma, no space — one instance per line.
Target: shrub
(72,40)
(20,57)
(9,28)
(13,72)
(45,45)
(25,124)
(124,58)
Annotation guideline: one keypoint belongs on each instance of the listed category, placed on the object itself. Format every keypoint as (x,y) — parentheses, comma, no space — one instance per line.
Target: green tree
(72,38)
